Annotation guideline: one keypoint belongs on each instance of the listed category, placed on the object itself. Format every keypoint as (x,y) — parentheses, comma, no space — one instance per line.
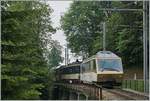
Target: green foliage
(24,40)
(83,29)
(82,26)
(127,34)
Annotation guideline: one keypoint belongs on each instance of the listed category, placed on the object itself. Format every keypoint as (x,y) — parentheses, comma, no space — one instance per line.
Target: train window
(68,70)
(94,65)
(87,66)
(83,67)
(77,69)
(65,70)
(71,70)
(110,64)
(91,65)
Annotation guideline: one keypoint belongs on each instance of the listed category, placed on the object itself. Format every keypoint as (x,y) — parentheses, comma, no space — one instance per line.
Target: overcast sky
(59,8)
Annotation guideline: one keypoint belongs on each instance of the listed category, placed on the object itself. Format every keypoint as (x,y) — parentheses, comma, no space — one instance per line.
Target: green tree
(83,29)
(82,26)
(125,33)
(24,67)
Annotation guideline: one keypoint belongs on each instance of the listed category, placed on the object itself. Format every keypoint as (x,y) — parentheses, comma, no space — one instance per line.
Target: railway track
(126,95)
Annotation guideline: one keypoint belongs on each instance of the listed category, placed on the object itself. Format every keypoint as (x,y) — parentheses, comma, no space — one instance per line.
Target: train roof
(74,63)
(59,67)
(71,64)
(103,55)
(106,54)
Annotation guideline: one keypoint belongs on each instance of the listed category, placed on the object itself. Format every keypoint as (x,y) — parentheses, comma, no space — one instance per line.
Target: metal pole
(149,41)
(65,56)
(104,36)
(144,44)
(145,63)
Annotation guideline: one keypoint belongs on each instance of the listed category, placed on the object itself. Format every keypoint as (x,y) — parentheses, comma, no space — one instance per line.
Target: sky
(59,8)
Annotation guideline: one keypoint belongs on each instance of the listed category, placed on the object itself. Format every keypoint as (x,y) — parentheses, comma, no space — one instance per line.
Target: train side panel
(70,76)
(88,77)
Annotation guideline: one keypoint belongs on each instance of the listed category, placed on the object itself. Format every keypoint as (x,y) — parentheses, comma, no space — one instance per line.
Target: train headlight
(70,81)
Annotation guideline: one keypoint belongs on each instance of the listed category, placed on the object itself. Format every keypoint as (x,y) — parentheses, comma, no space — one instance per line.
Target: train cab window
(109,65)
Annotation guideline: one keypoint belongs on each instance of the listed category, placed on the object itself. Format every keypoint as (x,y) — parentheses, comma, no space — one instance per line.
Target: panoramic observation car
(103,68)
(69,73)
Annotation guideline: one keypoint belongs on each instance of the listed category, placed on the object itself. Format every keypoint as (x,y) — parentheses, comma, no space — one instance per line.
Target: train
(69,73)
(104,68)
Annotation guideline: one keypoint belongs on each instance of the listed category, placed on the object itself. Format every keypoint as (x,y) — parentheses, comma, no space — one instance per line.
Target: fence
(137,85)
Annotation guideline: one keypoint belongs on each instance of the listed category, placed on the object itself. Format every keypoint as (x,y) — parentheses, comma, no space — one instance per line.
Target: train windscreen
(109,65)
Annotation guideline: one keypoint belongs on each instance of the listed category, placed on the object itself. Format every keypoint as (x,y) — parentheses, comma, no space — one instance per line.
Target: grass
(137,85)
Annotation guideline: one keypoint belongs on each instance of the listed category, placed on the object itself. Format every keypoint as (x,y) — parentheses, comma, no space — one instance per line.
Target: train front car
(103,68)
(109,68)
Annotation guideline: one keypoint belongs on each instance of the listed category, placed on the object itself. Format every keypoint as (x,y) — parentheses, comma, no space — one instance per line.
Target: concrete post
(78,96)
(86,97)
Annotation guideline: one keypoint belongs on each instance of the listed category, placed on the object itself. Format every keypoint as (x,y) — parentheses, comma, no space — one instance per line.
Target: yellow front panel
(109,77)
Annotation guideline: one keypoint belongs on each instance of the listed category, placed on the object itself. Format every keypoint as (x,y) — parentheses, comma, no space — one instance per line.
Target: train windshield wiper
(112,69)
